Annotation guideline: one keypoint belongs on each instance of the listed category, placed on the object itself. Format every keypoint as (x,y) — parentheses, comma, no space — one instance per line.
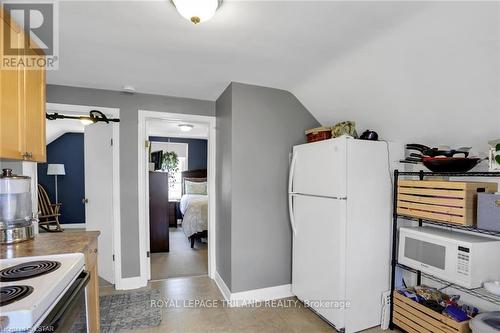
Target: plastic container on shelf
(15,208)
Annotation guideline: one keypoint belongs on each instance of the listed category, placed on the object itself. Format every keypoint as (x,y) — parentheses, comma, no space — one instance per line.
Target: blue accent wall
(68,149)
(197,150)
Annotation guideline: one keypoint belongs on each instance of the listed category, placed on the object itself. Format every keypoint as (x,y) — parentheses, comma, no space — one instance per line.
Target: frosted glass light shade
(196,11)
(186,127)
(56,169)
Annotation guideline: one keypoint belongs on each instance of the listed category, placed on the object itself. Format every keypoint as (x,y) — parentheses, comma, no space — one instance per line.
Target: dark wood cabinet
(158,212)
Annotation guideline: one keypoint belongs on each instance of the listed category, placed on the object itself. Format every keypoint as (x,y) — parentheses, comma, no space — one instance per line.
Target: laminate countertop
(51,243)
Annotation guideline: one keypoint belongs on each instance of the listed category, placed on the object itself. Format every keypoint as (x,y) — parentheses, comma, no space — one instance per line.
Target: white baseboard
(222,286)
(73,226)
(252,296)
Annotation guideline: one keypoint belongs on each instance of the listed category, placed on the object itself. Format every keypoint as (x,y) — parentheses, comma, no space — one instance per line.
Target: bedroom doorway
(176,195)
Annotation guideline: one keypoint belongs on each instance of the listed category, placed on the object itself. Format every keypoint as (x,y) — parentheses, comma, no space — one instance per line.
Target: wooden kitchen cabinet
(34,113)
(93,288)
(22,102)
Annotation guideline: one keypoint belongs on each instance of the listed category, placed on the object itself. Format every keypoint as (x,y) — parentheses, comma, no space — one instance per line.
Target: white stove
(31,287)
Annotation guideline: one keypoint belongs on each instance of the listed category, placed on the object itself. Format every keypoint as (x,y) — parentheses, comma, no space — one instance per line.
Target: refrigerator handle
(291,173)
(290,193)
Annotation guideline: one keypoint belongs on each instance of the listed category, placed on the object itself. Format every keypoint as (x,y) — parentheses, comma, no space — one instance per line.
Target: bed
(194,206)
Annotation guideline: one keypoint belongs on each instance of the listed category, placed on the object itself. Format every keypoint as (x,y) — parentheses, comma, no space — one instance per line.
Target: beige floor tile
(182,260)
(222,319)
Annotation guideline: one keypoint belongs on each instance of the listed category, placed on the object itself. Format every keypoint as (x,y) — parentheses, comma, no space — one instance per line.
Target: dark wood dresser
(158,212)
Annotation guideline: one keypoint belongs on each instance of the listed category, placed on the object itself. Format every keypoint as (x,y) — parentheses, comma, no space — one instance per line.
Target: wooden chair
(48,212)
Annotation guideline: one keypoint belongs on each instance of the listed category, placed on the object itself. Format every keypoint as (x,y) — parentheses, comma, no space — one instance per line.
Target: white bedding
(194,207)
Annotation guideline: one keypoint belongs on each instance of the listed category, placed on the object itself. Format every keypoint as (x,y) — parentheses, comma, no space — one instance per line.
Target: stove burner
(12,294)
(28,270)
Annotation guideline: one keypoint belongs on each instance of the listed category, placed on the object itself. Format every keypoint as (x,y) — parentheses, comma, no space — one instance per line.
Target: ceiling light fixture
(186,127)
(197,11)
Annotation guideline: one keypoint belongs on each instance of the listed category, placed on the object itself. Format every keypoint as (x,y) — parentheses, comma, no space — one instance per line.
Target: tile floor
(182,260)
(222,319)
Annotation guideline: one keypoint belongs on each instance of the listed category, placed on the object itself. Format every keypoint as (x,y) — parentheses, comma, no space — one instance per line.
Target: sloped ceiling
(147,44)
(403,68)
(56,128)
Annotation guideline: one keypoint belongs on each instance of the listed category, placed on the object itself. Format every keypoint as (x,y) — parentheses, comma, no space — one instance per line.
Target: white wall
(432,79)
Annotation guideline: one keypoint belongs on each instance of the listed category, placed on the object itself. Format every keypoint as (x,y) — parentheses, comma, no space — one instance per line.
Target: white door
(320,168)
(318,267)
(99,192)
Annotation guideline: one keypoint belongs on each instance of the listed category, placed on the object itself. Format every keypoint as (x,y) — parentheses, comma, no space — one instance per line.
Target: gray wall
(128,105)
(223,173)
(264,124)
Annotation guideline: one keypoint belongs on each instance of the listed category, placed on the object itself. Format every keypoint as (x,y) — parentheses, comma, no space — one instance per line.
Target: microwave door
(426,253)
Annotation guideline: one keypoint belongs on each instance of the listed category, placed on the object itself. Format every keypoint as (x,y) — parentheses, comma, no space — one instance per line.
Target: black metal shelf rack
(478,292)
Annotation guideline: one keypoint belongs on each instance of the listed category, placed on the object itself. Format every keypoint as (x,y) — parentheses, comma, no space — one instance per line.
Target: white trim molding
(246,297)
(222,286)
(143,117)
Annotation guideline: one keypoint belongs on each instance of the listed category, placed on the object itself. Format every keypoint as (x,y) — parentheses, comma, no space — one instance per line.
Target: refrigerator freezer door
(318,255)
(320,168)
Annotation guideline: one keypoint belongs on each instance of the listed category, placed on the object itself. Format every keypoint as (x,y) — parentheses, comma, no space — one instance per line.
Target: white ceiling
(168,128)
(108,44)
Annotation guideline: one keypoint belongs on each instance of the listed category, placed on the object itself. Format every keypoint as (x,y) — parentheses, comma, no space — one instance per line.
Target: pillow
(195,187)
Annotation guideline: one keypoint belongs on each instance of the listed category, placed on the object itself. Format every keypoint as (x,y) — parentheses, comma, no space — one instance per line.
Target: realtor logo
(39,21)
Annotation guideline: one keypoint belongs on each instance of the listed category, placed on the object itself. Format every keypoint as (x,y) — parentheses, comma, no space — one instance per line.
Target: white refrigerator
(340,214)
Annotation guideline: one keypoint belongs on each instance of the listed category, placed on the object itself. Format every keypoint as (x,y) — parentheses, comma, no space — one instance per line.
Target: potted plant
(170,164)
(494,155)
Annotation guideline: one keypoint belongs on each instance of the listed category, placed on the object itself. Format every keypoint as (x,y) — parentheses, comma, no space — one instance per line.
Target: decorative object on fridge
(445,201)
(488,211)
(318,134)
(56,170)
(369,135)
(345,128)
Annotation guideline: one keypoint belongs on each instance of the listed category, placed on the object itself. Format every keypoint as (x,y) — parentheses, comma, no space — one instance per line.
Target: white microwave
(461,258)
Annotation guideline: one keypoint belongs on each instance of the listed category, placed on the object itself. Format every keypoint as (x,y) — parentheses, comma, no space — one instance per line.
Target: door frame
(143,117)
(115,113)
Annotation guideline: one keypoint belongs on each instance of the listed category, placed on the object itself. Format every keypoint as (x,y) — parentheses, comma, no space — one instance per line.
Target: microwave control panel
(463,260)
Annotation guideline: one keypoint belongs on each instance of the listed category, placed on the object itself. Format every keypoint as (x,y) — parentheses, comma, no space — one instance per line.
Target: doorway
(98,197)
(191,246)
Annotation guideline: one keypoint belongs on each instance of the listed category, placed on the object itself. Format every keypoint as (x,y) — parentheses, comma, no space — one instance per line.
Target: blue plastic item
(455,313)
